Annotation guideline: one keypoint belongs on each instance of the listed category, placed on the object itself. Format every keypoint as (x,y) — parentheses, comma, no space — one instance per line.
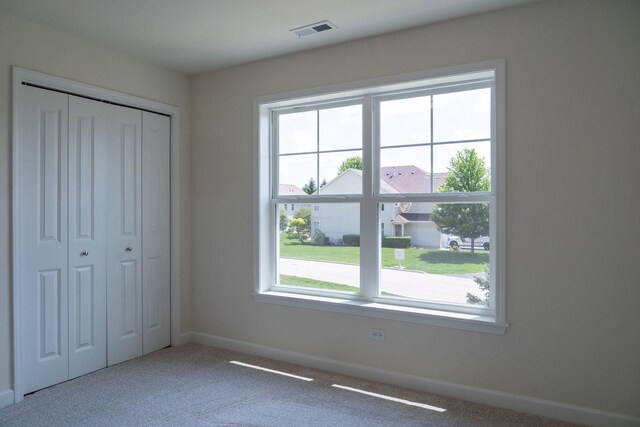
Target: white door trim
(21,75)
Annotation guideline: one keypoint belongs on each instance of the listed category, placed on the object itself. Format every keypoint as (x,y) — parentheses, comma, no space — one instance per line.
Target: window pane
(405,170)
(297,171)
(341,128)
(436,239)
(298,132)
(320,248)
(471,162)
(340,182)
(462,116)
(405,121)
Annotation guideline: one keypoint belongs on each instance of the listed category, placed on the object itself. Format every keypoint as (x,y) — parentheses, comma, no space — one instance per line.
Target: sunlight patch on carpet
(273,371)
(392,399)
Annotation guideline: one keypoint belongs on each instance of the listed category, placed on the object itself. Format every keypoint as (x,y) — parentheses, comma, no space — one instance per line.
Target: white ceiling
(193,36)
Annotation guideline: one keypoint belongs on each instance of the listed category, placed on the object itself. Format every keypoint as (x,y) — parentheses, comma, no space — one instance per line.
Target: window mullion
(275,151)
(369,235)
(271,273)
(318,152)
(431,142)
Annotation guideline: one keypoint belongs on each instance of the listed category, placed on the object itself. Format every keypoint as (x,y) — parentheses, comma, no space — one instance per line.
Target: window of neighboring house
(432,146)
(292,207)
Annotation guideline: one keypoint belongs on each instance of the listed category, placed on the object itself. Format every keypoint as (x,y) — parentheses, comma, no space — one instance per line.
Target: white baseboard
(531,405)
(6,398)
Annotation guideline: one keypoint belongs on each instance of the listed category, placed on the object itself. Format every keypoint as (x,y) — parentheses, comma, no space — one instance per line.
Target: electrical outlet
(376,334)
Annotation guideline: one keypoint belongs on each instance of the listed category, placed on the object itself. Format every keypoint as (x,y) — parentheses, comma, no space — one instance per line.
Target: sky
(457,116)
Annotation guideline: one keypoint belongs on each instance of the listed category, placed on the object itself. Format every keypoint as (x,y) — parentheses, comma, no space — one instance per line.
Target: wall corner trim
(6,398)
(516,402)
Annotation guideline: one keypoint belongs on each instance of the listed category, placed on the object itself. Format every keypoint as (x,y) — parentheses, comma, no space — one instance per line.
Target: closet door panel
(42,242)
(156,223)
(124,272)
(87,235)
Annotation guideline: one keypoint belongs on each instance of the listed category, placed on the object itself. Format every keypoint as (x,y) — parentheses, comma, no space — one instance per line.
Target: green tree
(296,229)
(350,163)
(467,173)
(284,220)
(310,187)
(300,224)
(305,214)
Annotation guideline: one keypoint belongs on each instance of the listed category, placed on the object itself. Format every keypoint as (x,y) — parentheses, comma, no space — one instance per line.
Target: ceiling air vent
(318,27)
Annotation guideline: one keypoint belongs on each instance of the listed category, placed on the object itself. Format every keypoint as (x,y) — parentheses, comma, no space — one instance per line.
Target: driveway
(411,284)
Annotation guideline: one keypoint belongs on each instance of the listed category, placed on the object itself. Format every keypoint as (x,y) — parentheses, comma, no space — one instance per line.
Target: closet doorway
(96,237)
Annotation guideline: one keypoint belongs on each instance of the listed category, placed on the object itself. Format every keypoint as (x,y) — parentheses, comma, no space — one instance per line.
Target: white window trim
(265,250)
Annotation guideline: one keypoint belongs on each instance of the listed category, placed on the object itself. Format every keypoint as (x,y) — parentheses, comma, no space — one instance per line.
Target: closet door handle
(128,249)
(84,253)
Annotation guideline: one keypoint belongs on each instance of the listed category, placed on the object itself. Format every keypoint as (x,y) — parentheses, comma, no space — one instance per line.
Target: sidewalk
(404,283)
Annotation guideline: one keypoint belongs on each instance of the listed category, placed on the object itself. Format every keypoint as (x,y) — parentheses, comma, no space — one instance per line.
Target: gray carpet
(196,385)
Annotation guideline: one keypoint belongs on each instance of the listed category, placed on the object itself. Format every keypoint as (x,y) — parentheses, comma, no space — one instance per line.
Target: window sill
(469,322)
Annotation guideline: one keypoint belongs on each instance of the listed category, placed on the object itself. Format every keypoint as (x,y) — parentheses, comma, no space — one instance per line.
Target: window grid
(366,288)
(372,162)
(317,108)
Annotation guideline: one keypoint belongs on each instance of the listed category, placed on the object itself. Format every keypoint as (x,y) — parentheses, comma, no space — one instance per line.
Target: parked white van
(455,242)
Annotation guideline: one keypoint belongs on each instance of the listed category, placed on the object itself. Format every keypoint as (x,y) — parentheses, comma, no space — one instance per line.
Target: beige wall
(572,172)
(36,47)
(573,129)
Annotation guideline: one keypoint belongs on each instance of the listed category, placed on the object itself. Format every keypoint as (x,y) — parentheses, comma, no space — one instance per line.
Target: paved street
(399,282)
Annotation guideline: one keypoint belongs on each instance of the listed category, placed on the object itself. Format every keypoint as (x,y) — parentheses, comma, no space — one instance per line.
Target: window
(431,147)
(293,208)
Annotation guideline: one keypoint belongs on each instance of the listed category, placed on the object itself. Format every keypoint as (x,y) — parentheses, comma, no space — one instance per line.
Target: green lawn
(312,283)
(428,260)
(319,284)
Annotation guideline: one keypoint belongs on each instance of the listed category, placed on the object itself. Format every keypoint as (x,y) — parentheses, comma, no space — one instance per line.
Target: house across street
(396,219)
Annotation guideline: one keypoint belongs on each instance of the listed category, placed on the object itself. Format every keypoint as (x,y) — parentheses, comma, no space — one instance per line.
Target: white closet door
(124,245)
(156,239)
(87,236)
(42,244)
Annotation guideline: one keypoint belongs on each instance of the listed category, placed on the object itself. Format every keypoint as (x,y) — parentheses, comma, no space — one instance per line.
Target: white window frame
(367,302)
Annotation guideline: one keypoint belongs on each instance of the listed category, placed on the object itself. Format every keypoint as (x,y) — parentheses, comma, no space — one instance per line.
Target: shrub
(284,220)
(351,239)
(396,242)
(483,284)
(298,229)
(319,238)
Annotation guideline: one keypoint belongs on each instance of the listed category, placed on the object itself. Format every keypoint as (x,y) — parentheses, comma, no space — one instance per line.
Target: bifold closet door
(87,235)
(42,244)
(124,244)
(93,248)
(156,239)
